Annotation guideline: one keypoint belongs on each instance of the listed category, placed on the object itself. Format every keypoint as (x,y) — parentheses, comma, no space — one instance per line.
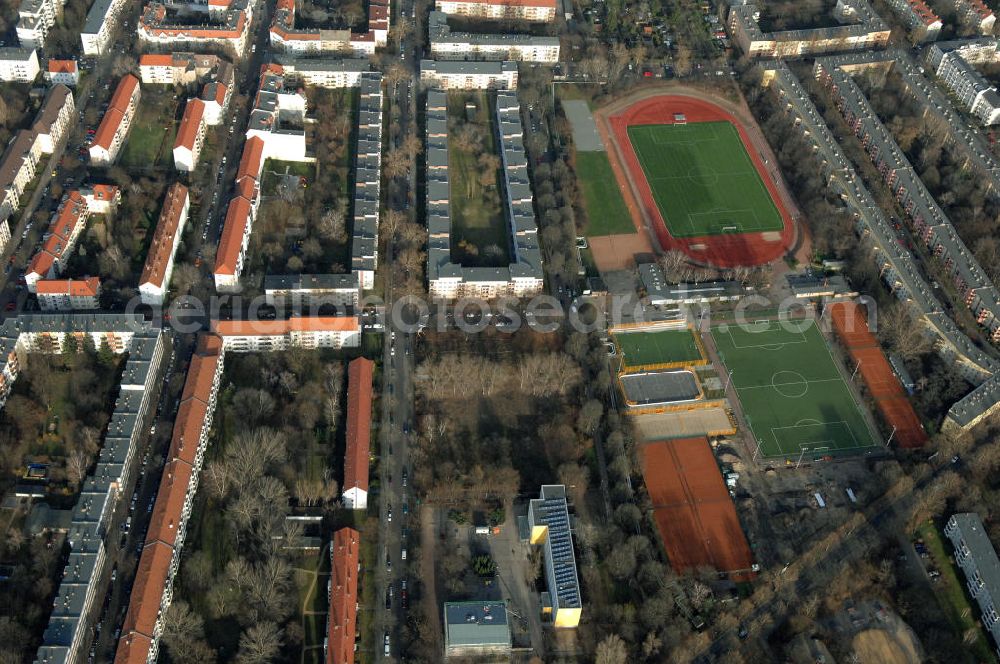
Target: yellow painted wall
(568,617)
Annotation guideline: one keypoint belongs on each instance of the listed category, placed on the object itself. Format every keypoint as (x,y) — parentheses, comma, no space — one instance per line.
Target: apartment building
(231,253)
(287,38)
(66,72)
(975,14)
(98,28)
(862,29)
(359,419)
(897,267)
(117,121)
(190,136)
(228,29)
(18,64)
(477,630)
(34,20)
(324,72)
(309,332)
(456,75)
(20,159)
(929,222)
(924,25)
(181,68)
(523,276)
(278,117)
(69,294)
(152,590)
(549,524)
(975,554)
(342,595)
(155,279)
(64,231)
(449,45)
(86,571)
(536,11)
(953,63)
(367,179)
(296,290)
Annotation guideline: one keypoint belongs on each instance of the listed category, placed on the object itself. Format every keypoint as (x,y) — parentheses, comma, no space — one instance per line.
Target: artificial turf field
(662,346)
(792,394)
(703,180)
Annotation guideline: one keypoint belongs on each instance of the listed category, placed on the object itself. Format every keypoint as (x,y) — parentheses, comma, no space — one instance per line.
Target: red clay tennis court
(851,325)
(718,250)
(692,508)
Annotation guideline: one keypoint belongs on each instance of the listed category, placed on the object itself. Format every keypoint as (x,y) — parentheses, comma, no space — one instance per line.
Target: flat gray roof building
(476,628)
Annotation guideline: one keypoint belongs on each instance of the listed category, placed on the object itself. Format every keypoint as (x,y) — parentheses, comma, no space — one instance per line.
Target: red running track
(747,249)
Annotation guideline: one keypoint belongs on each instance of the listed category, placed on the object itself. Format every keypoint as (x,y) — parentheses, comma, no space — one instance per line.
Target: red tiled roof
(162,247)
(156,60)
(267,328)
(252,160)
(89,287)
(108,128)
(231,243)
(70,213)
(343,617)
(62,66)
(123,93)
(133,648)
(201,375)
(147,590)
(514,3)
(167,513)
(187,132)
(359,419)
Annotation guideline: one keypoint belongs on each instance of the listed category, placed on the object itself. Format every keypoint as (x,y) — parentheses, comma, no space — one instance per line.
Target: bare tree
(260,644)
(611,650)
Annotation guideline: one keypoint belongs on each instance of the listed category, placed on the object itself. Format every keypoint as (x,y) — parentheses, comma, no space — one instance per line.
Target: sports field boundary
(656,105)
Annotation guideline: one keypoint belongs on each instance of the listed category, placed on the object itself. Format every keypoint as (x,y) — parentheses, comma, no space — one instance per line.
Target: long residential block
(449,45)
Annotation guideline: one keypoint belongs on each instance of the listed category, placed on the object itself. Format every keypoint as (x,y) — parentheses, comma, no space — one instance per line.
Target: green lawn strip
(792,393)
(641,348)
(606,211)
(951,595)
(703,179)
(151,137)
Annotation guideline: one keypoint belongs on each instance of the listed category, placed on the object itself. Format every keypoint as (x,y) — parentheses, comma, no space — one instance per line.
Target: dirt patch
(877,646)
(618,252)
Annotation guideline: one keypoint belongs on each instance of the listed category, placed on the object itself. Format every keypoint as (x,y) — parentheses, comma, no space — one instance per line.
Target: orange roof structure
(270,328)
(147,590)
(161,250)
(72,211)
(89,287)
(343,618)
(359,420)
(514,3)
(231,242)
(116,111)
(252,161)
(133,648)
(191,121)
(156,60)
(63,67)
(166,518)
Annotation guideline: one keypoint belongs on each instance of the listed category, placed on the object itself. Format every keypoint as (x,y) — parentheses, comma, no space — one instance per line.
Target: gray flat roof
(476,625)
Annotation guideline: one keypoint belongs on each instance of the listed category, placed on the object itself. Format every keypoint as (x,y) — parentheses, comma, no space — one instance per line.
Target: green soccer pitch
(662,346)
(792,394)
(703,180)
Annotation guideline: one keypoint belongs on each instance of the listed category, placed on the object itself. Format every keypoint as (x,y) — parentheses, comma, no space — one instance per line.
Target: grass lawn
(703,180)
(793,395)
(300,168)
(150,141)
(606,211)
(641,348)
(477,213)
(950,592)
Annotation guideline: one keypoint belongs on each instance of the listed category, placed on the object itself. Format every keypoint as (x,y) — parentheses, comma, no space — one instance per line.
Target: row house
(309,332)
(117,121)
(536,11)
(468,75)
(155,279)
(449,45)
(287,38)
(924,25)
(358,433)
(69,294)
(975,14)
(342,594)
(929,221)
(66,72)
(34,20)
(190,136)
(228,29)
(975,554)
(99,26)
(231,253)
(862,29)
(152,590)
